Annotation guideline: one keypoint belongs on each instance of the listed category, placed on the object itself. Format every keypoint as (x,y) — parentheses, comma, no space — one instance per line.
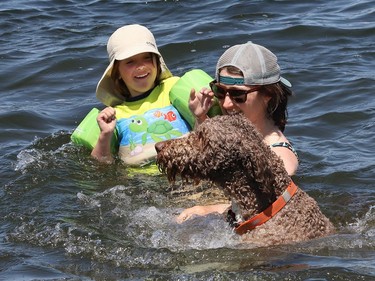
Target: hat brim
(285,82)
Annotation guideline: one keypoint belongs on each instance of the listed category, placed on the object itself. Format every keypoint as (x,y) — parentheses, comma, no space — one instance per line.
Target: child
(135,88)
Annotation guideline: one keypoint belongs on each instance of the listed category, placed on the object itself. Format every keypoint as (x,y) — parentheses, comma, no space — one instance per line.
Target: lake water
(63,216)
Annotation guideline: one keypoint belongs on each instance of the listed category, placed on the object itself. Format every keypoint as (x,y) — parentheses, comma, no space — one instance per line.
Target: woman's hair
(277,105)
(120,86)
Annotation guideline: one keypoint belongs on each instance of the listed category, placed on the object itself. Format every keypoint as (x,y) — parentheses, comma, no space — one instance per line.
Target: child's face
(139,73)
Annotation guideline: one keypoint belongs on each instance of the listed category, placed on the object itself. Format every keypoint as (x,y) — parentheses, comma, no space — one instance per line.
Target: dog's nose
(159,146)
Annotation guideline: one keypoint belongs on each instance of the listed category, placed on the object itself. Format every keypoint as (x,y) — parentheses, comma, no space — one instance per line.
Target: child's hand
(200,103)
(107,120)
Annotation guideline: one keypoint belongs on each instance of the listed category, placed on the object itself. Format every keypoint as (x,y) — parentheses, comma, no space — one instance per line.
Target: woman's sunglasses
(239,96)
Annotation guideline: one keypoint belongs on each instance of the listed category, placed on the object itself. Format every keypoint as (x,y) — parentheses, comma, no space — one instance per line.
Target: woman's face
(139,73)
(255,106)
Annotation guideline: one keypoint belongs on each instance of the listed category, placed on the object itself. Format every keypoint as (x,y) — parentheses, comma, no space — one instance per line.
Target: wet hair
(277,105)
(120,86)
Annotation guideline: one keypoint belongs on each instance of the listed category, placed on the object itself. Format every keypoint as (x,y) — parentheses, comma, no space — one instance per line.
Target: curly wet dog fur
(228,151)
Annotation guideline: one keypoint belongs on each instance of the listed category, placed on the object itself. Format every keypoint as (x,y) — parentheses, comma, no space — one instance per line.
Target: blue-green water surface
(64,216)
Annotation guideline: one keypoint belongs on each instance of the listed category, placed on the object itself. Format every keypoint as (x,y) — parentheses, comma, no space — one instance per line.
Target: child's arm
(107,122)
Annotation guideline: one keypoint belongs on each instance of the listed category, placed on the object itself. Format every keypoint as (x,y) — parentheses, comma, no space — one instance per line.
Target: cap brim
(285,82)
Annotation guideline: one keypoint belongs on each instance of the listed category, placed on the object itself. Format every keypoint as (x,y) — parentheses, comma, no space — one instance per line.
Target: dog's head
(226,150)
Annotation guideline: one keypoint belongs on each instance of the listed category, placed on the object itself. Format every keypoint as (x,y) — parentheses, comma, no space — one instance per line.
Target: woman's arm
(200,103)
(201,211)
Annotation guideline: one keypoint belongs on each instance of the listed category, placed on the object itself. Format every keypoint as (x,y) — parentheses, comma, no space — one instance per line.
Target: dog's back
(228,151)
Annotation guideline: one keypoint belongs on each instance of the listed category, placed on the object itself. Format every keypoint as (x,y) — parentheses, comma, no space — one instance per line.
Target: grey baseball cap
(258,64)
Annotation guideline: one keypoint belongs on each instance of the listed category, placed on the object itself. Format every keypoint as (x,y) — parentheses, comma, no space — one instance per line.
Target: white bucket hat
(124,43)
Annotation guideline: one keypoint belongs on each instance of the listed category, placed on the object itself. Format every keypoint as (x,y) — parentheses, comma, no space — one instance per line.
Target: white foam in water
(162,230)
(156,226)
(366,224)
(88,200)
(26,158)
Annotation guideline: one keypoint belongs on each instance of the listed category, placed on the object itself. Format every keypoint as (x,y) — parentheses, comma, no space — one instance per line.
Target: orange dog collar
(269,212)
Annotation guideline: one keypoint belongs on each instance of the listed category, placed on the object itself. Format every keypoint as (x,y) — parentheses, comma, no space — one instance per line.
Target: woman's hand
(201,211)
(200,103)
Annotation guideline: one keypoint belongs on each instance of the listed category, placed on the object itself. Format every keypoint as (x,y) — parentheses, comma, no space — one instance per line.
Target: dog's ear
(259,161)
(258,170)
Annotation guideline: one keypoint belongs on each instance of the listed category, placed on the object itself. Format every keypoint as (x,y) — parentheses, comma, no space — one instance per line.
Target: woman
(248,81)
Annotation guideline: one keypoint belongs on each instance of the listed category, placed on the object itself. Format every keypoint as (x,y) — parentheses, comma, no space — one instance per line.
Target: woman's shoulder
(287,145)
(288,154)
(283,148)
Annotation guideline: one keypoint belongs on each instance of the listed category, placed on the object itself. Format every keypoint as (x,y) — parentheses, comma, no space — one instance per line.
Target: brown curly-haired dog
(228,151)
